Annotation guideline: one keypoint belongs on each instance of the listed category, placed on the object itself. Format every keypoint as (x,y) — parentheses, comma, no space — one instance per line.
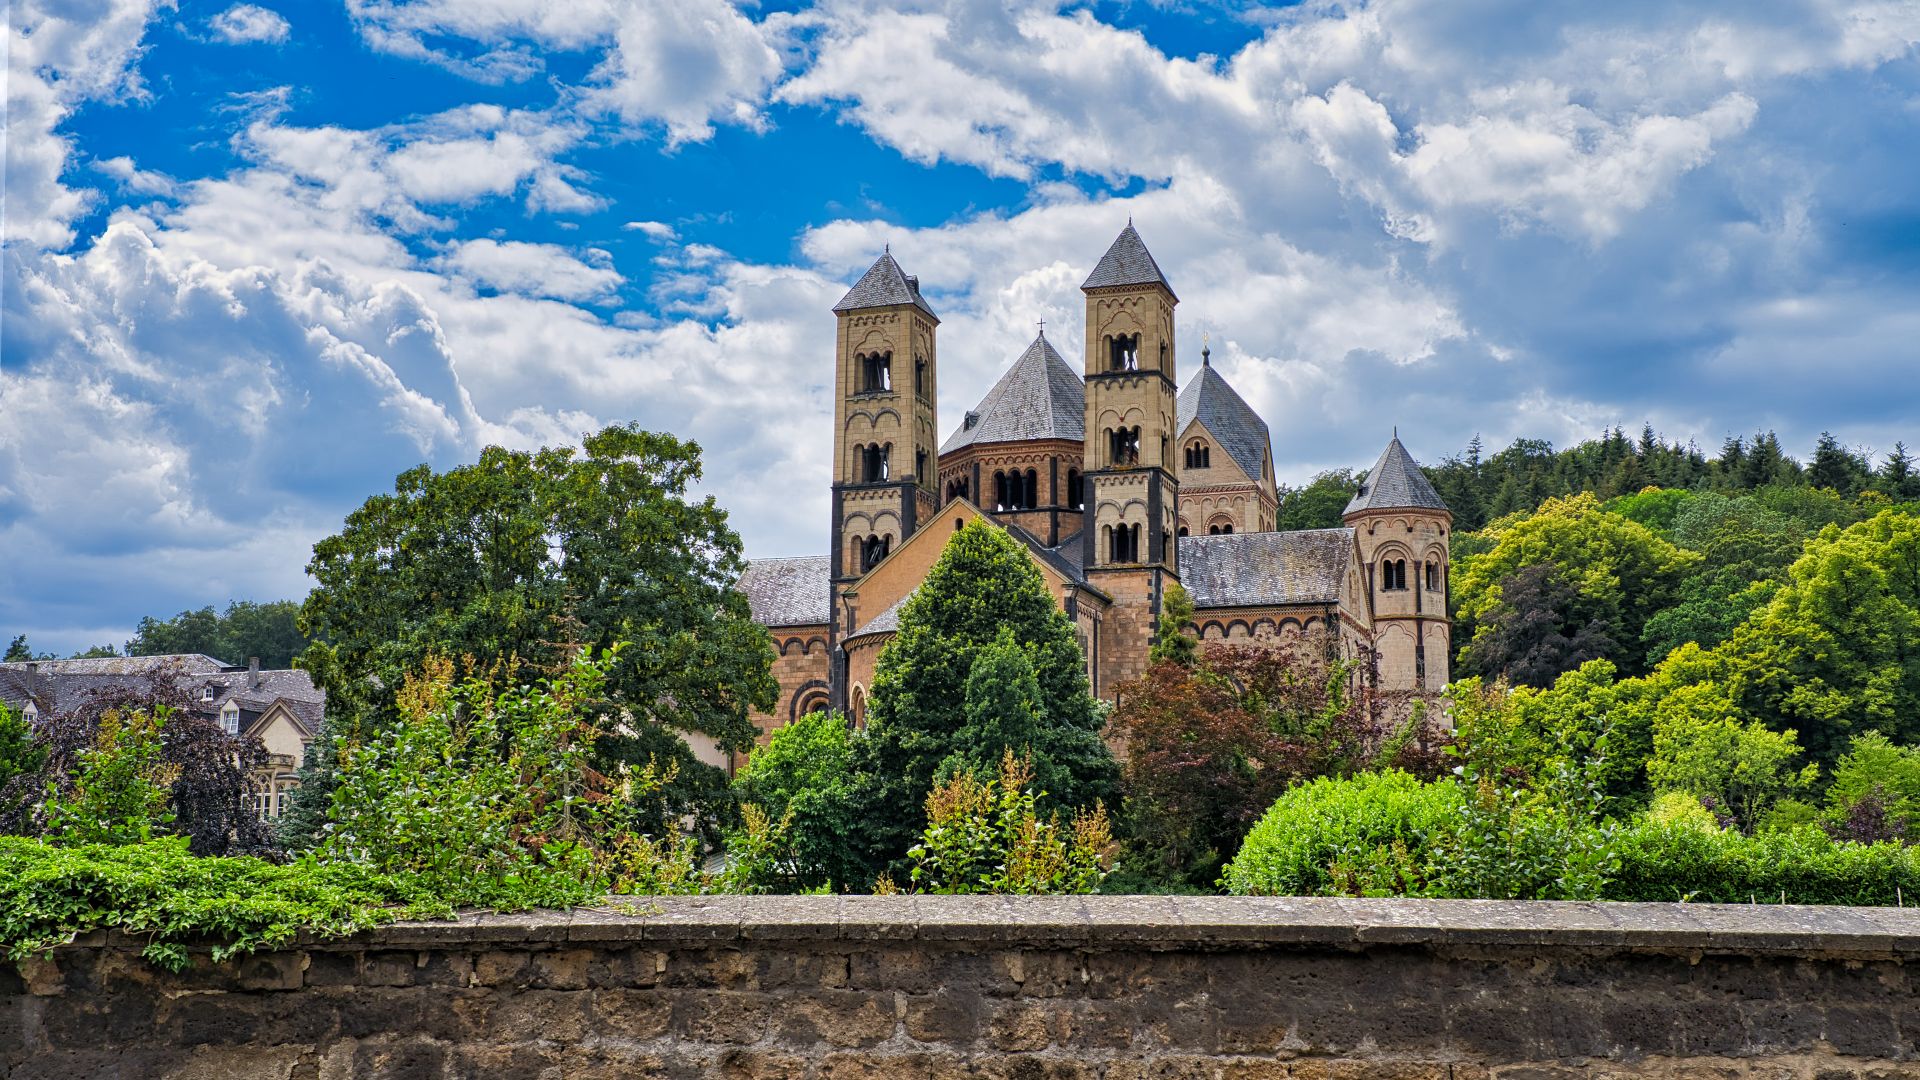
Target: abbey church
(1119,482)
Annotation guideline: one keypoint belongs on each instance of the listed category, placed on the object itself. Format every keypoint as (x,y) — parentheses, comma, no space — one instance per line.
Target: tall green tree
(1621,571)
(512,564)
(984,586)
(1320,503)
(269,631)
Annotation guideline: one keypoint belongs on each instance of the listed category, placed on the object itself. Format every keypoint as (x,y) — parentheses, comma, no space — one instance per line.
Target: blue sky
(259,258)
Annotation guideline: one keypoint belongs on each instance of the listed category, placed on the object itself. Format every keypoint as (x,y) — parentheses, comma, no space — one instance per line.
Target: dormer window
(31,712)
(972,418)
(206,693)
(230,718)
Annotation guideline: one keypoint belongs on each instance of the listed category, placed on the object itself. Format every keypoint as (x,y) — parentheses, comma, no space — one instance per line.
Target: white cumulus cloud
(244,24)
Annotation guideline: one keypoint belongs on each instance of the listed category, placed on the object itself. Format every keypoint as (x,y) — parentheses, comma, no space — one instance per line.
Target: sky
(259,258)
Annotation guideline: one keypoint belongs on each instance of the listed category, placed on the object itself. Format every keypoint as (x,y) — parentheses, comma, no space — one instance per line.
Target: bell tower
(885,446)
(1132,493)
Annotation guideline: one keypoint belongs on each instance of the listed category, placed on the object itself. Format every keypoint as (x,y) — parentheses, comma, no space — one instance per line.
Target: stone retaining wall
(1107,987)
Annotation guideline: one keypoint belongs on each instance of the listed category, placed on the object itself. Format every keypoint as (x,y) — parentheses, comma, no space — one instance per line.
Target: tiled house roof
(1039,397)
(1266,569)
(789,592)
(1396,482)
(1227,416)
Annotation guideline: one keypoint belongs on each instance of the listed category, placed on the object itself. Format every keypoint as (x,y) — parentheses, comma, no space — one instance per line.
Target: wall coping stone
(1156,923)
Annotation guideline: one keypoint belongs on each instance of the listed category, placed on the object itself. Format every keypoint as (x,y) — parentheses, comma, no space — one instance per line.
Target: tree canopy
(269,631)
(512,564)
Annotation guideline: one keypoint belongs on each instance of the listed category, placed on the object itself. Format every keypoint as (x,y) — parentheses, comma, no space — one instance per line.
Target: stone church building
(1119,482)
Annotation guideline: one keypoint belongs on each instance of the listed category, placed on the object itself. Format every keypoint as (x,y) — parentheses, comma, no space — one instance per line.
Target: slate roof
(884,285)
(1265,569)
(1210,399)
(1127,262)
(789,592)
(128,665)
(61,686)
(1396,482)
(1039,397)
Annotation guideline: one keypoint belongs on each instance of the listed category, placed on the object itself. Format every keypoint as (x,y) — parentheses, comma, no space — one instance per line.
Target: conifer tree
(983,586)
(1171,641)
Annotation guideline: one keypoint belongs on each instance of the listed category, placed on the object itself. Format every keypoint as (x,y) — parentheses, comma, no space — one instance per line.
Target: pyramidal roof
(1227,416)
(884,285)
(1039,397)
(1396,482)
(1127,262)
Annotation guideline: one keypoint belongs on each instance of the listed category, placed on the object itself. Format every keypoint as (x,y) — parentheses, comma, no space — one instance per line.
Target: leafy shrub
(117,792)
(159,890)
(985,836)
(1324,837)
(804,776)
(1802,865)
(475,791)
(1678,809)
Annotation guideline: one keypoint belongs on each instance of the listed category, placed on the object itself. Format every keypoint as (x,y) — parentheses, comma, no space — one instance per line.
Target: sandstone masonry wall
(1100,987)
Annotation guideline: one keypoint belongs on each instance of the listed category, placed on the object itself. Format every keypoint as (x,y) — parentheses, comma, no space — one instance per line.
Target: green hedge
(1294,848)
(1682,862)
(1313,837)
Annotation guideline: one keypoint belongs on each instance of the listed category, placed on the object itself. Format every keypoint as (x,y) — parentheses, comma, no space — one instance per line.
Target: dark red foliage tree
(1208,748)
(211,788)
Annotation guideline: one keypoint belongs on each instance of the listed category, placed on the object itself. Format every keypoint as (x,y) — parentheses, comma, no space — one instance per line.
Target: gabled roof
(1227,416)
(1039,397)
(1265,569)
(1127,262)
(789,592)
(1395,483)
(884,285)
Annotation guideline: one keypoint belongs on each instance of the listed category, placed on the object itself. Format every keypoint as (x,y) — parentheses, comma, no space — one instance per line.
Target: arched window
(1199,455)
(1032,500)
(919,464)
(858,706)
(1075,499)
(1393,574)
(1163,356)
(872,550)
(957,489)
(1183,530)
(1433,577)
(1220,528)
(1123,446)
(999,491)
(876,373)
(1124,543)
(920,376)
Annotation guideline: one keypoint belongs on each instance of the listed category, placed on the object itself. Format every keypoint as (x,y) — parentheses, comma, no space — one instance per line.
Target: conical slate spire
(1039,397)
(884,285)
(1127,262)
(1396,482)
